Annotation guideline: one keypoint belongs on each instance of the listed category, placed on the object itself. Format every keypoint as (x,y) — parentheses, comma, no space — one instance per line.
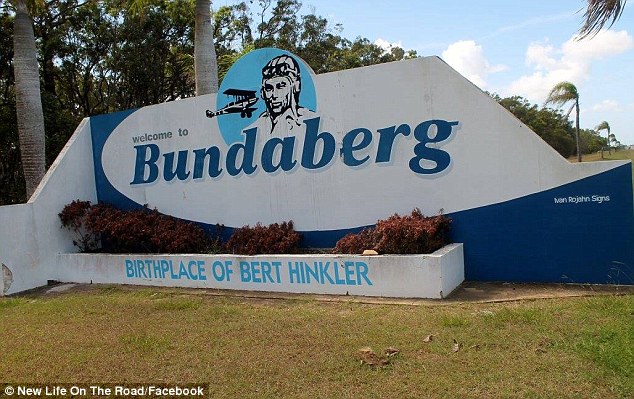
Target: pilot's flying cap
(281,66)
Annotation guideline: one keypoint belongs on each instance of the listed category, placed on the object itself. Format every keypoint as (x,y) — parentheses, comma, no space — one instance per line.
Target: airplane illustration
(243,101)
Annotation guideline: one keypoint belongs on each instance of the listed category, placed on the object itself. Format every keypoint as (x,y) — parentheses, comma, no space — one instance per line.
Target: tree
(604,126)
(27,96)
(562,93)
(550,125)
(598,13)
(205,62)
(591,141)
(613,142)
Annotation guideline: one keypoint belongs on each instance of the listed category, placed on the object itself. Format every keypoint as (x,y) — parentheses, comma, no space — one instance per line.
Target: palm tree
(604,126)
(614,141)
(205,62)
(599,13)
(562,93)
(27,96)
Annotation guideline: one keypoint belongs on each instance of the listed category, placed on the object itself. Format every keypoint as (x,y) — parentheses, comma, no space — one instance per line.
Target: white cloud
(572,62)
(606,105)
(386,45)
(468,58)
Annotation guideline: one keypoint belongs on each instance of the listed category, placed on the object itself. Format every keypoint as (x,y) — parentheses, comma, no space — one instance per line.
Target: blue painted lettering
(293,272)
(314,272)
(172,275)
(245,272)
(218,271)
(156,267)
(169,172)
(323,273)
(266,272)
(362,273)
(317,152)
(386,141)
(422,152)
(129,268)
(201,270)
(348,147)
(246,160)
(286,160)
(255,272)
(142,160)
(277,266)
(200,156)
(165,267)
(310,146)
(140,268)
(338,280)
(349,272)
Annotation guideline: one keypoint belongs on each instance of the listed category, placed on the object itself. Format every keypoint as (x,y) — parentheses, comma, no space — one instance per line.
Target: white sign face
(289,159)
(336,152)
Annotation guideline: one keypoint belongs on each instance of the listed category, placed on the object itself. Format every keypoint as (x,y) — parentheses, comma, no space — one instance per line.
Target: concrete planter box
(400,276)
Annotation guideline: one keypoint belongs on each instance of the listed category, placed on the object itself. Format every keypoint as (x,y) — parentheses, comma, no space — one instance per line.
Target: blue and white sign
(338,151)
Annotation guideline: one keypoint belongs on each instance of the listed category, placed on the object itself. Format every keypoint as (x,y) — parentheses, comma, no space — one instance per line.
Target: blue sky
(508,47)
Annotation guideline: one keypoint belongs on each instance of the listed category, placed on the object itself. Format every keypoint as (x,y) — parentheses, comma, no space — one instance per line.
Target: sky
(507,47)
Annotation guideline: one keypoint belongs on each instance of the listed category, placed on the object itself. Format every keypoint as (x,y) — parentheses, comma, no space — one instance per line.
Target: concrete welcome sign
(338,151)
(335,153)
(278,143)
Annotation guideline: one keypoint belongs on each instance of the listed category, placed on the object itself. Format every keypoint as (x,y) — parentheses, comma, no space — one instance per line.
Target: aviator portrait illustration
(285,88)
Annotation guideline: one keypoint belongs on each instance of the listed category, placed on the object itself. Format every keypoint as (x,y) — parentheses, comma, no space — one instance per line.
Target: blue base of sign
(569,234)
(536,239)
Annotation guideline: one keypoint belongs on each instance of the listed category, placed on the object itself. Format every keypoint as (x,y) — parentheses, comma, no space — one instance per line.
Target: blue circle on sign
(239,102)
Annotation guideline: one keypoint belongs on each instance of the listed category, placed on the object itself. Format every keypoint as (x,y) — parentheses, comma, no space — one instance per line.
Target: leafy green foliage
(553,127)
(562,93)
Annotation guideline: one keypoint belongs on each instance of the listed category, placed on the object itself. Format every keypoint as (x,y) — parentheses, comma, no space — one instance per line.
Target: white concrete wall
(30,234)
(399,276)
(18,248)
(451,259)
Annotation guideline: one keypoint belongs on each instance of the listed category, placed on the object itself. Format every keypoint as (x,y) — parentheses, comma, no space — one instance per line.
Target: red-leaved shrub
(73,217)
(272,239)
(139,231)
(356,243)
(412,234)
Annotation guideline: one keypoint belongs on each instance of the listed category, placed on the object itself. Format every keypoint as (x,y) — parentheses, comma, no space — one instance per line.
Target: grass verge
(246,348)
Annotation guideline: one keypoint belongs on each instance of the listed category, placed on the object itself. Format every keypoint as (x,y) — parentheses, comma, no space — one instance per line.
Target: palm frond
(603,126)
(562,93)
(598,14)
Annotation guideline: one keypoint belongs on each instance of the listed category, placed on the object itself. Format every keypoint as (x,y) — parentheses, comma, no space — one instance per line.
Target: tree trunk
(205,63)
(28,99)
(577,130)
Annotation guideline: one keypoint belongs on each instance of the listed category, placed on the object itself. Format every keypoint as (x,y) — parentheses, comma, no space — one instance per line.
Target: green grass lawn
(262,348)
